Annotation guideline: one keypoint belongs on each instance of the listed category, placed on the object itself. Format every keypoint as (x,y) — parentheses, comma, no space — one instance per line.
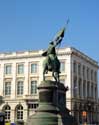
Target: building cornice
(20,55)
(83,56)
(38,53)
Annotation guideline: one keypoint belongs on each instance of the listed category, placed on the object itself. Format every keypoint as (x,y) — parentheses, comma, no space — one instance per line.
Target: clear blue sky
(31,24)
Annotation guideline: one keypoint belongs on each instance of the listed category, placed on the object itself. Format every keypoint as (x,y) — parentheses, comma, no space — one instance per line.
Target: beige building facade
(22,72)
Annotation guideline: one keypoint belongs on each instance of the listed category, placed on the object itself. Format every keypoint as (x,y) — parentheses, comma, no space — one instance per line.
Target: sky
(32,24)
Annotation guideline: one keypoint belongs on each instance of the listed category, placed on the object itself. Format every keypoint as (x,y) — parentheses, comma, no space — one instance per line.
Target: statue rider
(52,63)
(51,54)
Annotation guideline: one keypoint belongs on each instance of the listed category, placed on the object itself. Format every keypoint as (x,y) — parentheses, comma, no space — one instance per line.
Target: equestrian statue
(51,62)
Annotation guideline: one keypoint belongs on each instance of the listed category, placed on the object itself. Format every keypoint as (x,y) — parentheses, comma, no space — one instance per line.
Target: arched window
(19,112)
(7,111)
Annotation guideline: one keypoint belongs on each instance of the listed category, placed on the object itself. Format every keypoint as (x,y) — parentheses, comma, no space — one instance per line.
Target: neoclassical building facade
(22,72)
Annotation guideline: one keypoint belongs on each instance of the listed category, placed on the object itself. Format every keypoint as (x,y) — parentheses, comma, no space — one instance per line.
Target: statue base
(51,110)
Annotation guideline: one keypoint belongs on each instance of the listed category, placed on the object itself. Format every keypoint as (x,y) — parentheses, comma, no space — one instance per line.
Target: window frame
(62,67)
(20,71)
(7,110)
(20,88)
(33,106)
(7,89)
(34,68)
(8,69)
(33,91)
(74,67)
(19,112)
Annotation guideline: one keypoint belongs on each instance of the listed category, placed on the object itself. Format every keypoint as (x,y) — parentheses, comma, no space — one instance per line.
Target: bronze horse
(52,66)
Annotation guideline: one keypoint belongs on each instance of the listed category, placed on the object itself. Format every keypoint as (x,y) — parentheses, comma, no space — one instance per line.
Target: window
(87,73)
(95,76)
(7,111)
(84,89)
(20,88)
(75,88)
(19,112)
(84,72)
(62,67)
(80,88)
(92,91)
(33,87)
(79,69)
(34,68)
(20,69)
(7,69)
(74,67)
(88,89)
(95,92)
(91,74)
(33,106)
(7,88)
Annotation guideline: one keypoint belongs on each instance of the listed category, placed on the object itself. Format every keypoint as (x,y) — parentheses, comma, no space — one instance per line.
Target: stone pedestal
(51,110)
